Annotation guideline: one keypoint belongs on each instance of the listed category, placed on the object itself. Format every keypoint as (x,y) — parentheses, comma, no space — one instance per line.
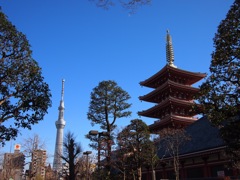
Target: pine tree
(135,148)
(108,103)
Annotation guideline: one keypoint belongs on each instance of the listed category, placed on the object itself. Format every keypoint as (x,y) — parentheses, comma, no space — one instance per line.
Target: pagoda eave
(171,121)
(170,101)
(151,82)
(168,84)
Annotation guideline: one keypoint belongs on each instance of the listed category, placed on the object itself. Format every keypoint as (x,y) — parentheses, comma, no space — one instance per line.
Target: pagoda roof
(150,96)
(169,101)
(204,138)
(192,77)
(170,120)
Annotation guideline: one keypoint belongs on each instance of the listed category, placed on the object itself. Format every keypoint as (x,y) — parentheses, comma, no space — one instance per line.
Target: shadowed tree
(71,154)
(220,94)
(151,158)
(135,148)
(24,96)
(171,141)
(108,103)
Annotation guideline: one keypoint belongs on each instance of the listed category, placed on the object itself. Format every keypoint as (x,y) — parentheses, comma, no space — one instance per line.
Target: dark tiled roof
(203,136)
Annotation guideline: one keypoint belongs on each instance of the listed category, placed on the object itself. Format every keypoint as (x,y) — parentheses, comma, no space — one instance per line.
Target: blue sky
(84,44)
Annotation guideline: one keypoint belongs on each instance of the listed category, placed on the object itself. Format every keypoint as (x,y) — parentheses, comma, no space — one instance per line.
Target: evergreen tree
(24,96)
(136,149)
(220,94)
(108,103)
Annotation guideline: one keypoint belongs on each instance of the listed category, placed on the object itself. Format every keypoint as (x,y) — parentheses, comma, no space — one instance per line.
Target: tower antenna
(62,94)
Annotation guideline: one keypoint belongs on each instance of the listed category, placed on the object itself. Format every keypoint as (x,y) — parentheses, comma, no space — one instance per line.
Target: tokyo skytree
(60,124)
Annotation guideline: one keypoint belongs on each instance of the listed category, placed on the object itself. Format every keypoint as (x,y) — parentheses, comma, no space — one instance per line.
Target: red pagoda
(173,94)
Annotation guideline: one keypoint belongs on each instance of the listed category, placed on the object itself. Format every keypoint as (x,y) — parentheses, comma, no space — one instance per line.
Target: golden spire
(169,50)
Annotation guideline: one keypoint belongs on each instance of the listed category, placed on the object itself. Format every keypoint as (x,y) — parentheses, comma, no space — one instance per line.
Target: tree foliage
(24,96)
(108,103)
(130,5)
(220,94)
(136,149)
(231,135)
(71,154)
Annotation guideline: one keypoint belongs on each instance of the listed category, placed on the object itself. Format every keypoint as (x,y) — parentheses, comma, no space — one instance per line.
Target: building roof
(167,86)
(171,101)
(171,120)
(190,77)
(204,136)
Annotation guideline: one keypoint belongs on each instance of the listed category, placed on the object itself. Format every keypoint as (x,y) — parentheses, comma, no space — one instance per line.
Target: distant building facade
(13,164)
(37,167)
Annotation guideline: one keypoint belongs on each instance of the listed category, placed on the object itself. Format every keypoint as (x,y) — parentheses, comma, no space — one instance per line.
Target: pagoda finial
(169,50)
(62,94)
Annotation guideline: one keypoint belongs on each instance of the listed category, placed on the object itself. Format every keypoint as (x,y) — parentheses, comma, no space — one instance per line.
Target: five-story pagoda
(173,94)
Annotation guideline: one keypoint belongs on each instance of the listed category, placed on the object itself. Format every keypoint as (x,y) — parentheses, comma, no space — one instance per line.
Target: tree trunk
(133,173)
(139,173)
(176,167)
(109,145)
(153,174)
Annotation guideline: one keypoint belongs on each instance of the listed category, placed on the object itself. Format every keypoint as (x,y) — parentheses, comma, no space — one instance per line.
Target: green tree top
(24,96)
(136,149)
(220,94)
(108,103)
